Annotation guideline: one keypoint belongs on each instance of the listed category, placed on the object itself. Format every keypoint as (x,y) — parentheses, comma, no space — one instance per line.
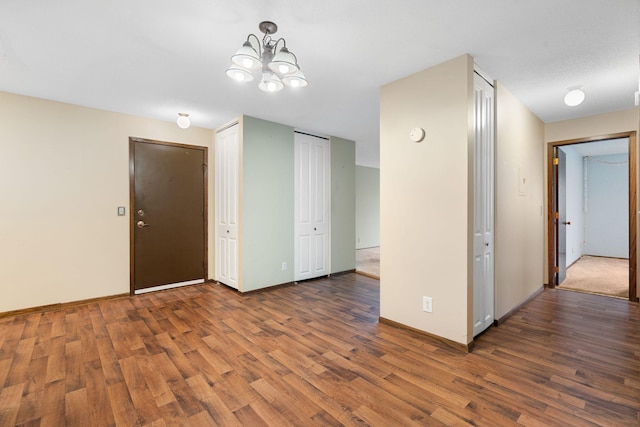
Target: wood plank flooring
(314,354)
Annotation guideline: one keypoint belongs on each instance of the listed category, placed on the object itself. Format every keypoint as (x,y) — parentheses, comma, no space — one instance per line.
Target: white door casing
(227,152)
(483,228)
(312,206)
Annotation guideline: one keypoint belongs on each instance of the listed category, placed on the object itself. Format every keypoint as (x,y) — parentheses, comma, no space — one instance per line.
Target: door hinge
(557,215)
(556,269)
(555,161)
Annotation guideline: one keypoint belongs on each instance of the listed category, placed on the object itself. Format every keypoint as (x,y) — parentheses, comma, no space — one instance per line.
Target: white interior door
(227,162)
(312,207)
(483,233)
(561,222)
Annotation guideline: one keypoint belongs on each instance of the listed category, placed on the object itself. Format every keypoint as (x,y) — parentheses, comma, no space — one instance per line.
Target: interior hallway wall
(367,207)
(64,170)
(343,205)
(607,210)
(267,226)
(519,217)
(424,199)
(267,203)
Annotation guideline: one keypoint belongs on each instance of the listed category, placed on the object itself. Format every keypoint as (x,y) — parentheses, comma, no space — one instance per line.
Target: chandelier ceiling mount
(268,27)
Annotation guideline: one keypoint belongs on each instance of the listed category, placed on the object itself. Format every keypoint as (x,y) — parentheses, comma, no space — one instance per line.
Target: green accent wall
(367,207)
(267,229)
(267,204)
(343,205)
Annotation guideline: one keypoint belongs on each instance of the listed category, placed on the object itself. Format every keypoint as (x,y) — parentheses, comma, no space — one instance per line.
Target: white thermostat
(416,134)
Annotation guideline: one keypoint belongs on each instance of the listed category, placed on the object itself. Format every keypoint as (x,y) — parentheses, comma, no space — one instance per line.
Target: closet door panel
(227,205)
(311,203)
(483,238)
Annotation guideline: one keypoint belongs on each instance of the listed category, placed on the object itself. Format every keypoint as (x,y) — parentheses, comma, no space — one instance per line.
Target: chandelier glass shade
(239,74)
(279,67)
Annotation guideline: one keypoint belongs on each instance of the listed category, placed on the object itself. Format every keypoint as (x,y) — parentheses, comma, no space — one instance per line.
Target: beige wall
(424,199)
(519,239)
(598,125)
(602,124)
(64,169)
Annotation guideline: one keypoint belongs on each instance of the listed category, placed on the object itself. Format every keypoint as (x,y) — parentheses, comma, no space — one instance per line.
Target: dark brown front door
(168,213)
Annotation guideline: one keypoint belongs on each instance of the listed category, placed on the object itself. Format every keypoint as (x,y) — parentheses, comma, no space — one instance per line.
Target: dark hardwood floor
(315,354)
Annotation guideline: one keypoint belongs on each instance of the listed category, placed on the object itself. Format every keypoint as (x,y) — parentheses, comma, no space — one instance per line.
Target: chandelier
(279,66)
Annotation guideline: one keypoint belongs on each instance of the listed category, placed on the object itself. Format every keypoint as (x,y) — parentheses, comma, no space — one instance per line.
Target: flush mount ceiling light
(183,121)
(574,97)
(279,67)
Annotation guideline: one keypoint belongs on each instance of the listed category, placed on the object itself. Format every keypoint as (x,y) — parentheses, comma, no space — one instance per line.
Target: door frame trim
(551,146)
(132,141)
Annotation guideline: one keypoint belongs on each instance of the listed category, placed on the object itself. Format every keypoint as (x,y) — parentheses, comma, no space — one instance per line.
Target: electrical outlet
(427,304)
(284,266)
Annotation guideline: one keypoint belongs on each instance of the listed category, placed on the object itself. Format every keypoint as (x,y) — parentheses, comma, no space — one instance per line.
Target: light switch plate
(121,210)
(427,304)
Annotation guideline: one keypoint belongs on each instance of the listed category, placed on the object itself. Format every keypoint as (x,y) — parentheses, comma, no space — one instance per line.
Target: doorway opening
(592,215)
(368,262)
(368,221)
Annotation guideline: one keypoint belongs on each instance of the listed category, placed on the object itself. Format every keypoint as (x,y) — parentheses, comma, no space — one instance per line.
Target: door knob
(141,224)
(567,222)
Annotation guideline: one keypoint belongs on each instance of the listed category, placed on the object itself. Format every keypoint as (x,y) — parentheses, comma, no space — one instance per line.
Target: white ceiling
(155,58)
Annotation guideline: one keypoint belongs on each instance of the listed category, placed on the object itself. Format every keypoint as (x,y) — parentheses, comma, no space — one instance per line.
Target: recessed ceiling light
(574,97)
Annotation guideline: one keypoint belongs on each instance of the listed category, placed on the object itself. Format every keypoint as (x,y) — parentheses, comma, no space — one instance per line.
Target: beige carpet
(368,262)
(599,275)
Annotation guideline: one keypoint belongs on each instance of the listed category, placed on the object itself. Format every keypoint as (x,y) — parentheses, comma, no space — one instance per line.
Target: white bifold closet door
(312,206)
(227,172)
(483,224)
